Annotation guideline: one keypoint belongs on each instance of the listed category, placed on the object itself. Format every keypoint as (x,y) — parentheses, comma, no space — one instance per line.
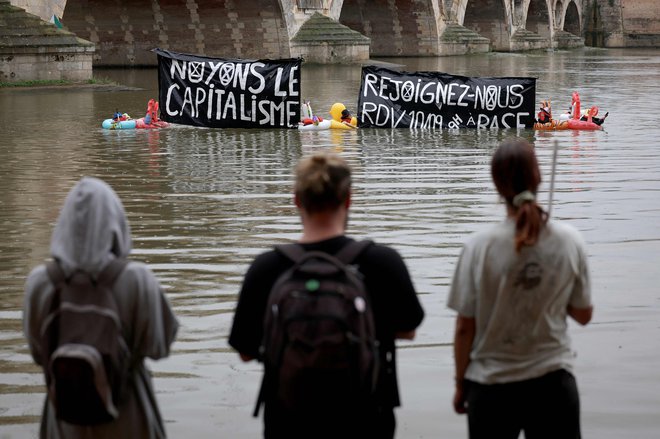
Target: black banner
(434,100)
(228,93)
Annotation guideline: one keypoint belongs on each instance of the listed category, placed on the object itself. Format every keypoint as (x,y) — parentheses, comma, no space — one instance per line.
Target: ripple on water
(202,203)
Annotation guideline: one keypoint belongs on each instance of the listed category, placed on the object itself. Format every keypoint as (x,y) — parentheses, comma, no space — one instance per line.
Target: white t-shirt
(519,300)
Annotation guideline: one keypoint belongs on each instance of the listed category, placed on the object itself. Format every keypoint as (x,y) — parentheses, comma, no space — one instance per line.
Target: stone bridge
(124,31)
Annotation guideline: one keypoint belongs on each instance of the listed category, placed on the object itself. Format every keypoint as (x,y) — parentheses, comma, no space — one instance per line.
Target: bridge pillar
(622,23)
(567,22)
(323,40)
(317,36)
(34,49)
(517,25)
(125,33)
(44,9)
(459,40)
(533,27)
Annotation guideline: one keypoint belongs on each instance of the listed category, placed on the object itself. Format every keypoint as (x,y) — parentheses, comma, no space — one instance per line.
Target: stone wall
(43,9)
(622,23)
(459,40)
(33,49)
(51,63)
(641,23)
(126,33)
(538,20)
(324,40)
(488,18)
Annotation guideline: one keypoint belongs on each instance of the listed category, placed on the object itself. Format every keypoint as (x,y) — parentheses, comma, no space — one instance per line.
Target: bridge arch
(538,18)
(491,19)
(124,35)
(572,19)
(559,14)
(125,32)
(396,27)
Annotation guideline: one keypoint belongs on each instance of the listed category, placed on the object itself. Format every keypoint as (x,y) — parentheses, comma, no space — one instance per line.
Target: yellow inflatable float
(341,118)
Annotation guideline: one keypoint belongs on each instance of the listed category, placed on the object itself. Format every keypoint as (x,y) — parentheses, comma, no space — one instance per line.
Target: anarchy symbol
(407,91)
(491,97)
(226,73)
(195,71)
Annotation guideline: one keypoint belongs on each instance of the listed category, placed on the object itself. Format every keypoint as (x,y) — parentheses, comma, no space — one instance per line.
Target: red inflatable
(575,123)
(573,120)
(150,120)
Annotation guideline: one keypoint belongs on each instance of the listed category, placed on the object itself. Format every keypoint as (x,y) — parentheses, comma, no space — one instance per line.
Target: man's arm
(246,331)
(463,339)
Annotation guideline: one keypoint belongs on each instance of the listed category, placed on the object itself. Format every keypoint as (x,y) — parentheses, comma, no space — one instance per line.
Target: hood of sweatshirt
(91,229)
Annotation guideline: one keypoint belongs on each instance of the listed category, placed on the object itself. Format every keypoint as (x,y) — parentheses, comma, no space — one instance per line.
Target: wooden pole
(552,176)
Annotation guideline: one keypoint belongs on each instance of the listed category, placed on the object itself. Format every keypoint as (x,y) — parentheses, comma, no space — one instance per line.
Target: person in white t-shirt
(513,288)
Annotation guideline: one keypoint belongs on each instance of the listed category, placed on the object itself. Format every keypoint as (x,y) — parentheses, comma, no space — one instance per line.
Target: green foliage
(102,81)
(35,83)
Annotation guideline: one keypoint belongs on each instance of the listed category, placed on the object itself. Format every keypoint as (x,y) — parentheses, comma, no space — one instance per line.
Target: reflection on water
(203,202)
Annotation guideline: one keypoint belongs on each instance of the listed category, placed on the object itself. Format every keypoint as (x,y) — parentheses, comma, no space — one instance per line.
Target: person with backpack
(91,317)
(323,315)
(514,287)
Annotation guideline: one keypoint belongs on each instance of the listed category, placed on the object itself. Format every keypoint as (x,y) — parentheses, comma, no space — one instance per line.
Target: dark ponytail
(516,175)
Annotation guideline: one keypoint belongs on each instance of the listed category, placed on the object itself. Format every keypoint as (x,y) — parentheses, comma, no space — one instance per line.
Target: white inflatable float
(316,126)
(310,122)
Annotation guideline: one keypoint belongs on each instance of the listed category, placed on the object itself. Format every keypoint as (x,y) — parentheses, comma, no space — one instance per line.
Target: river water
(203,202)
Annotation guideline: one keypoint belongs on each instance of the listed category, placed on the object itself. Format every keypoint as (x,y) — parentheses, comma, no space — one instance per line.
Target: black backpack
(319,344)
(86,358)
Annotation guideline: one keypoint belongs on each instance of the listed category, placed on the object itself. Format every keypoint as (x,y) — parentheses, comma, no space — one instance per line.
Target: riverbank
(98,84)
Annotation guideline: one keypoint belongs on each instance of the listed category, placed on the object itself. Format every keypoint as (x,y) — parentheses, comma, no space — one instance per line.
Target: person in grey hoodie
(92,230)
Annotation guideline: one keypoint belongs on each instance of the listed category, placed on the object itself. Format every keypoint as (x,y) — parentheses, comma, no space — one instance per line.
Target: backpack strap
(352,250)
(108,275)
(55,272)
(112,270)
(292,251)
(346,255)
